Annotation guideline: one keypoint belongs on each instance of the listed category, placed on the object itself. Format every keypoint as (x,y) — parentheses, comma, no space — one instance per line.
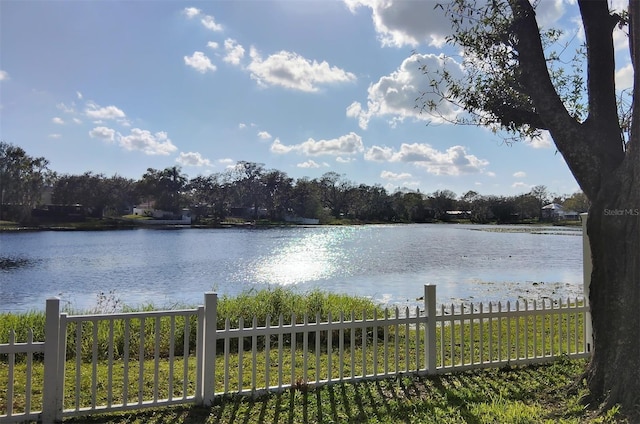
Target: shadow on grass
(452,398)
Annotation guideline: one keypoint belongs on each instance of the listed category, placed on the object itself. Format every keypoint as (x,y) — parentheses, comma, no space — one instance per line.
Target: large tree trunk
(609,174)
(614,234)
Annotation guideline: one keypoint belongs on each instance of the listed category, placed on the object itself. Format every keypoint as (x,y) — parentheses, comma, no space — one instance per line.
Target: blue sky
(302,86)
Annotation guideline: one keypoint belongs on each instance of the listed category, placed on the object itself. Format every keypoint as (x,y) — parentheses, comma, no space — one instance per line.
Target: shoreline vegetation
(549,393)
(247,194)
(128,223)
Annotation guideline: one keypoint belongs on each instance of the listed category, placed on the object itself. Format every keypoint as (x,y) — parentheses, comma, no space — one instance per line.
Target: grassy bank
(247,305)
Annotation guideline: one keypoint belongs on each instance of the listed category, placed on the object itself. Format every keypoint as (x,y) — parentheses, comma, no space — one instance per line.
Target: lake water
(389,263)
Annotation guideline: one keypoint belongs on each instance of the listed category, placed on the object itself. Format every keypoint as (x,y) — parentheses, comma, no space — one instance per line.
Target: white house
(162,217)
(555,212)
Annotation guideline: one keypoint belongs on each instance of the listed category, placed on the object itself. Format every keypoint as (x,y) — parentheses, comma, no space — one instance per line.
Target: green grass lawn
(535,394)
(548,393)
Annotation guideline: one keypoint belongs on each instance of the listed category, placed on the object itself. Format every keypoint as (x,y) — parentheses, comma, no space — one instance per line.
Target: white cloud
(549,12)
(293,71)
(520,184)
(620,38)
(453,161)
(520,174)
(94,111)
(103,133)
(149,144)
(191,12)
(308,164)
(263,135)
(620,35)
(340,159)
(400,23)
(213,45)
(543,142)
(65,108)
(192,159)
(624,77)
(378,154)
(402,186)
(234,52)
(406,23)
(57,121)
(71,110)
(354,110)
(79,95)
(395,95)
(279,148)
(618,5)
(344,145)
(55,135)
(392,176)
(209,22)
(199,62)
(4,75)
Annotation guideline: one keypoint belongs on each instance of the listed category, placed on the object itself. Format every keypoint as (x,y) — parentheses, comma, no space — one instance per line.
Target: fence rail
(103,363)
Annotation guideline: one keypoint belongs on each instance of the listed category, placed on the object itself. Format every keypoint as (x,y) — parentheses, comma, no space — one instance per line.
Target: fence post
(209,349)
(199,354)
(587,267)
(62,358)
(430,327)
(51,403)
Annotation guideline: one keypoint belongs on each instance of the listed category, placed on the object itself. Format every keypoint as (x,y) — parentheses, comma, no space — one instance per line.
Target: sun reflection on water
(313,257)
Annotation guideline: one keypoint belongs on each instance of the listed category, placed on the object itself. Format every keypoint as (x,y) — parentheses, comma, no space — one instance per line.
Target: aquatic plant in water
(12,263)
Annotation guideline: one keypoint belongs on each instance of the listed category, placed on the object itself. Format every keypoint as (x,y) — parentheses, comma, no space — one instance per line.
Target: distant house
(164,217)
(458,214)
(555,212)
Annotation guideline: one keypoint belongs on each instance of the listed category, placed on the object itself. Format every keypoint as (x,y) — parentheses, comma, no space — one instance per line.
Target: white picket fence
(180,356)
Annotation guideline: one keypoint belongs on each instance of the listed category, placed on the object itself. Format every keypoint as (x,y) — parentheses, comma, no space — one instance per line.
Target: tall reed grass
(261,304)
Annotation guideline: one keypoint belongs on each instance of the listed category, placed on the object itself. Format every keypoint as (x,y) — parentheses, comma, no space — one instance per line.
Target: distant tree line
(255,192)
(22,180)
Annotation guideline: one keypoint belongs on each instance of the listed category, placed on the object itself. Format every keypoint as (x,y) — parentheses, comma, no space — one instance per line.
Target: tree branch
(598,26)
(580,144)
(533,67)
